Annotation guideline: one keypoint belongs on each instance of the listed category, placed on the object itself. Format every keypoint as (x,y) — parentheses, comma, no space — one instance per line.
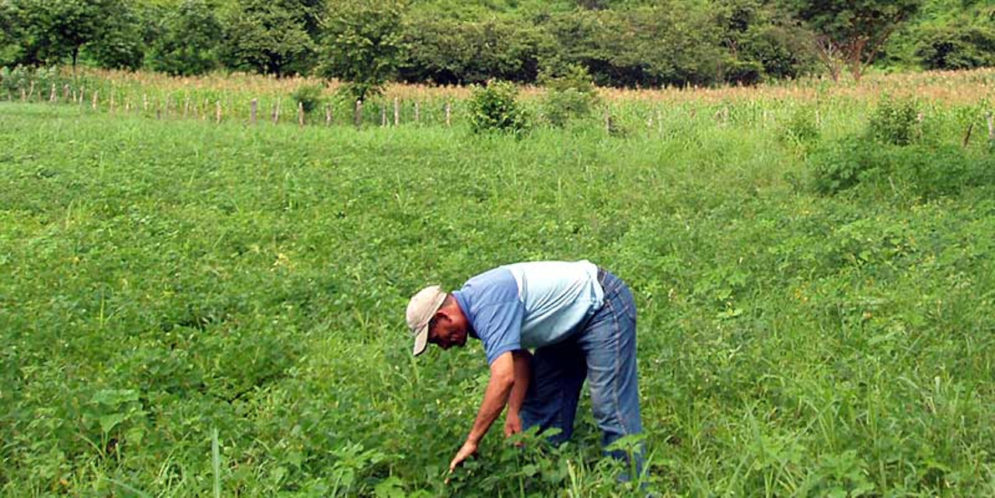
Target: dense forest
(627,43)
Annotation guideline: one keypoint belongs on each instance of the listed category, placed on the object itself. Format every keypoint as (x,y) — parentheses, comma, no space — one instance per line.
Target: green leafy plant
(896,122)
(801,127)
(495,108)
(570,95)
(308,96)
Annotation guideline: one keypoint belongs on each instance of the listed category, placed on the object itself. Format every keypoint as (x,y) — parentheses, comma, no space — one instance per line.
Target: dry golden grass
(951,87)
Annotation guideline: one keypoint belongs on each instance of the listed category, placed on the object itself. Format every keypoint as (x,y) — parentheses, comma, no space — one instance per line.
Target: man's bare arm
(495,397)
(523,371)
(499,387)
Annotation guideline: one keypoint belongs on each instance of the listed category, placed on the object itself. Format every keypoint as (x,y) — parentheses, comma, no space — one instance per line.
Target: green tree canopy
(269,36)
(850,32)
(55,29)
(185,39)
(362,44)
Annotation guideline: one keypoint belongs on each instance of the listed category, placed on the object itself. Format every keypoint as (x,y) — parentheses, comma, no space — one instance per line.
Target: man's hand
(468,448)
(512,424)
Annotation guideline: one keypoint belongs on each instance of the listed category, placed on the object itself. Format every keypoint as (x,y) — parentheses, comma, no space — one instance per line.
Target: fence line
(109,97)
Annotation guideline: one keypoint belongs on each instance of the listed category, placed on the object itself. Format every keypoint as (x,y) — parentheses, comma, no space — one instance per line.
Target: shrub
(895,122)
(925,171)
(495,107)
(801,127)
(570,95)
(839,165)
(957,47)
(308,96)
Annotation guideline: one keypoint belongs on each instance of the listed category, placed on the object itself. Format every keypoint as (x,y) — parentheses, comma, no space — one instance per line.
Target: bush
(12,81)
(308,96)
(895,122)
(925,171)
(570,95)
(495,108)
(957,47)
(801,127)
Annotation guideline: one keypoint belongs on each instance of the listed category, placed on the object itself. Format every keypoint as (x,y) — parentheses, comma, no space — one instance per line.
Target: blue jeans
(602,350)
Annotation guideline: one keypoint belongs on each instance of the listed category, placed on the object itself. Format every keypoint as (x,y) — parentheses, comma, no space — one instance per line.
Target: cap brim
(421,341)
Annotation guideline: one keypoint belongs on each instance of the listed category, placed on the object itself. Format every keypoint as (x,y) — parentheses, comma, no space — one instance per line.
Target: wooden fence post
(276,111)
(217,111)
(51,96)
(397,112)
(991,125)
(449,111)
(967,135)
(252,111)
(608,123)
(328,115)
(300,114)
(65,91)
(186,106)
(93,105)
(383,114)
(31,91)
(358,114)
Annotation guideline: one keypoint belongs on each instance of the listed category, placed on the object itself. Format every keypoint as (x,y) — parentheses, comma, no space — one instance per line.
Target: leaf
(108,422)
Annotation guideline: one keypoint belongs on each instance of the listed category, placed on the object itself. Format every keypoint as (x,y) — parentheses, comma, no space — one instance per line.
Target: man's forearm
(495,396)
(523,371)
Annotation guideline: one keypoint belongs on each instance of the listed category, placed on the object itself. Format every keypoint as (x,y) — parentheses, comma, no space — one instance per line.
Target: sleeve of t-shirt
(499,326)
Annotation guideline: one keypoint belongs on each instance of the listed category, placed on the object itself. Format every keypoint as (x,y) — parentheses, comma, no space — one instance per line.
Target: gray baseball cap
(421,309)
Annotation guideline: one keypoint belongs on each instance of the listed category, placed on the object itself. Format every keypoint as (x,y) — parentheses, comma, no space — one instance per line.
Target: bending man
(579,320)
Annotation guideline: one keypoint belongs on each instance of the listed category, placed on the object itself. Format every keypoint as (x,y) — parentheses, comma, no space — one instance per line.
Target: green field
(189,308)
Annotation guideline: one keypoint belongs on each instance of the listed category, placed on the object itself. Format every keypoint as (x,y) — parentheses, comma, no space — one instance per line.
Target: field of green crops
(194,309)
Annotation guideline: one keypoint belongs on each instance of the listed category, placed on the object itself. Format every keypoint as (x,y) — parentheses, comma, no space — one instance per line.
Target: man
(580,321)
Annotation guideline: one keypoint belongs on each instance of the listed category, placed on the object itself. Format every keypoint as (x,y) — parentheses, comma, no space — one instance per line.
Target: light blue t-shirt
(529,305)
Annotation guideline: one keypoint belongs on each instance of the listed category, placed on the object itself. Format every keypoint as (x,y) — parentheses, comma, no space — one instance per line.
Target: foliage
(761,42)
(55,29)
(850,32)
(495,108)
(801,127)
(269,36)
(362,44)
(958,46)
(923,170)
(308,96)
(448,51)
(251,281)
(570,95)
(119,44)
(185,41)
(896,122)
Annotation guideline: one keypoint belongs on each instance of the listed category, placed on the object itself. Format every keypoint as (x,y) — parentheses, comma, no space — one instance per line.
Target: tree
(269,36)
(960,45)
(850,32)
(55,29)
(10,33)
(362,44)
(186,39)
(448,51)
(760,41)
(118,42)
